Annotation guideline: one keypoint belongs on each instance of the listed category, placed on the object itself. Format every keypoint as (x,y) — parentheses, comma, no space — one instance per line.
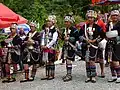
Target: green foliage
(38,10)
(3,37)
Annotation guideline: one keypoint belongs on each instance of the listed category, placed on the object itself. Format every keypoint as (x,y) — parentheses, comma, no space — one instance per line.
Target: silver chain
(30,54)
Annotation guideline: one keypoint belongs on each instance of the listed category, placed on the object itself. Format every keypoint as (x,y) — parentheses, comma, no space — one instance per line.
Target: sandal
(112,80)
(44,78)
(63,77)
(9,80)
(87,80)
(118,80)
(67,78)
(24,80)
(93,80)
(50,78)
(31,79)
(102,76)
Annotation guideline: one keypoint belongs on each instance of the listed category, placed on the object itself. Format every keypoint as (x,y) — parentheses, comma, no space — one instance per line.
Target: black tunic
(66,47)
(34,53)
(97,32)
(17,46)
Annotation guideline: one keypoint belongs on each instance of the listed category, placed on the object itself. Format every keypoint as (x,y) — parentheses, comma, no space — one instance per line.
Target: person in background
(101,50)
(22,35)
(100,22)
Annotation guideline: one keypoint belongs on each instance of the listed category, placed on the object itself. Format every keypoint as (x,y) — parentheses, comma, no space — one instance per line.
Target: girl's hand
(91,41)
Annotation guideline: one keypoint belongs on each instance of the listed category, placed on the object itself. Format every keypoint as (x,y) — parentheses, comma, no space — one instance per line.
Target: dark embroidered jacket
(74,33)
(98,32)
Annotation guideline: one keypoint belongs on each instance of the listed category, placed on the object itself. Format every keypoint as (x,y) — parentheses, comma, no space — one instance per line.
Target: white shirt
(53,41)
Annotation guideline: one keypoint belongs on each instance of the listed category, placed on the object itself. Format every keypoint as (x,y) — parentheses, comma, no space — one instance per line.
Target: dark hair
(14,23)
(3,43)
(114,9)
(43,27)
(68,15)
(22,33)
(91,8)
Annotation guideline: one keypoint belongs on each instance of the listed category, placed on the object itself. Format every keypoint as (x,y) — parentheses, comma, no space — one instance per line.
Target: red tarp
(7,17)
(95,1)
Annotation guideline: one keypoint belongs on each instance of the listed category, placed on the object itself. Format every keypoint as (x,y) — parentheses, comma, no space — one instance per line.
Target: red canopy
(95,1)
(7,17)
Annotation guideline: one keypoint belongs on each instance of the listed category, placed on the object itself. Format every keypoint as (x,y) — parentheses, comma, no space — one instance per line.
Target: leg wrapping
(113,72)
(47,70)
(52,68)
(69,69)
(118,71)
(93,71)
(34,69)
(88,72)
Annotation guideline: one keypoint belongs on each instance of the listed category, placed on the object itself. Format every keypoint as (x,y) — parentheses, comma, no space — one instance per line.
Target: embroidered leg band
(52,67)
(7,68)
(47,70)
(93,71)
(88,72)
(113,72)
(118,71)
(69,69)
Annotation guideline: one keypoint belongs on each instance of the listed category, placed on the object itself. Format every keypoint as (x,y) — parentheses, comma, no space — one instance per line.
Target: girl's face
(13,30)
(91,19)
(67,23)
(114,18)
(49,24)
(21,29)
(32,28)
